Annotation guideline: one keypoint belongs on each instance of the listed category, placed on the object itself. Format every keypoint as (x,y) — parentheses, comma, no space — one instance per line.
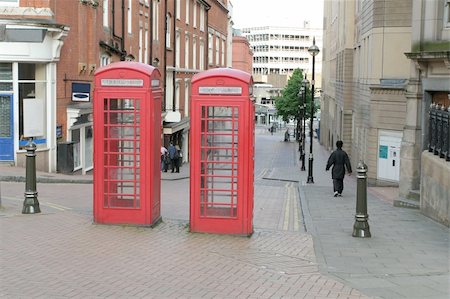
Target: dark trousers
(338,185)
(176,165)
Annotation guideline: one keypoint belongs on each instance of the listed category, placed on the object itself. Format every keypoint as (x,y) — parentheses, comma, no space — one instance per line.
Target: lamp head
(313,50)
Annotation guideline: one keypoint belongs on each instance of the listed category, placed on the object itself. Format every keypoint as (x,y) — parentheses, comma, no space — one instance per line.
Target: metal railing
(439,131)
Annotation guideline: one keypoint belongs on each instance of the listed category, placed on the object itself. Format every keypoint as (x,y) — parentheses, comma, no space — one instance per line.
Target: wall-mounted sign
(81,92)
(123,82)
(220,90)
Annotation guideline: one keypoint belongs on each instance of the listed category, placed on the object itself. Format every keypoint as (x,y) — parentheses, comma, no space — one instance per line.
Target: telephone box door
(127,128)
(221,161)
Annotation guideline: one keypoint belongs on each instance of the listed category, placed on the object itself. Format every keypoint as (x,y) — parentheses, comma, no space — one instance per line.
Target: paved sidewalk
(407,255)
(60,253)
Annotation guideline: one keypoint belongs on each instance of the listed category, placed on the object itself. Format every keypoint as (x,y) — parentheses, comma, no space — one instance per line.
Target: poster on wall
(33,117)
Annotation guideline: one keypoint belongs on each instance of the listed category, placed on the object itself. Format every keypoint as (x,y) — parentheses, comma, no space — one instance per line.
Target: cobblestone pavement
(301,248)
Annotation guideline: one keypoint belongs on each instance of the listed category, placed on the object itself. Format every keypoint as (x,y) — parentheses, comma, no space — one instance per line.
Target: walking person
(340,162)
(174,157)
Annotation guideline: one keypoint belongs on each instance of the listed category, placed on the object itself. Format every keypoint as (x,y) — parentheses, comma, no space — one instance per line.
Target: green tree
(288,105)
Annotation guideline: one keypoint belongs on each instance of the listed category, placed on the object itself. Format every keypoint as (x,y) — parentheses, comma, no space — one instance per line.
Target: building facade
(242,54)
(49,54)
(385,65)
(278,51)
(365,77)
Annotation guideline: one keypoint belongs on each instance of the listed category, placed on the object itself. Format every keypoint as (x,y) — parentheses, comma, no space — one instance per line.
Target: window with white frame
(146,47)
(187,11)
(177,94)
(186,98)
(140,44)
(202,55)
(222,49)
(194,12)
(155,20)
(186,52)
(447,14)
(194,53)
(202,18)
(217,50)
(129,21)
(105,13)
(9,3)
(177,49)
(178,9)
(168,32)
(105,59)
(210,48)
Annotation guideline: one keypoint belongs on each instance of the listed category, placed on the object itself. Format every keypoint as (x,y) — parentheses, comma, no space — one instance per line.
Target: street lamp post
(313,50)
(304,88)
(299,121)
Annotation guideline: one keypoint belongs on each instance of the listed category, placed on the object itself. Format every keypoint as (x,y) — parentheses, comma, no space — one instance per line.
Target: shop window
(6,79)
(75,138)
(32,95)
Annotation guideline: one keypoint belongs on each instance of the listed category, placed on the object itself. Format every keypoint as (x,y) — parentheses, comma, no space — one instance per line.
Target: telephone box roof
(223,72)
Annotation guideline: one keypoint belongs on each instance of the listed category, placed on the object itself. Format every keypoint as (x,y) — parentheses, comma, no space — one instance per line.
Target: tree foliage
(289,104)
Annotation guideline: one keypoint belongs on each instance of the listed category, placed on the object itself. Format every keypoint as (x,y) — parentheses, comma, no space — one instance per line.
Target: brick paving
(300,248)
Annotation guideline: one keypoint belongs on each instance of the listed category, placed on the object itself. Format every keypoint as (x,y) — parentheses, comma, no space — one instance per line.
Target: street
(301,246)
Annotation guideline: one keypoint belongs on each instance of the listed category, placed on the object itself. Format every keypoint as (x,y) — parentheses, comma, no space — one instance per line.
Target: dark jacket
(339,160)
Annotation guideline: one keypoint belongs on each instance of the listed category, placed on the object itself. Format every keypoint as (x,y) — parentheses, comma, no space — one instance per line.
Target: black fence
(439,131)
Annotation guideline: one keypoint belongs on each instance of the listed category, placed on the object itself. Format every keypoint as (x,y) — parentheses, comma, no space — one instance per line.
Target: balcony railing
(439,131)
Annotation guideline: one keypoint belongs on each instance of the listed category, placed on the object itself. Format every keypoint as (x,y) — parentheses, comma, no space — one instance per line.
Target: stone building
(364,82)
(384,64)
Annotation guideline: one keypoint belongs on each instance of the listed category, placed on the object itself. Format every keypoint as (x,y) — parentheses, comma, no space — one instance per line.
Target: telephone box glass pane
(121,153)
(219,162)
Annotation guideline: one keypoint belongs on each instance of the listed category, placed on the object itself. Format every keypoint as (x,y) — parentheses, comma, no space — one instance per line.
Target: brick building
(46,71)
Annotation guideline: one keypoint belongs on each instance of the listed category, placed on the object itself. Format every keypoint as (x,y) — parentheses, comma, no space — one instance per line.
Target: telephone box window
(122,153)
(219,162)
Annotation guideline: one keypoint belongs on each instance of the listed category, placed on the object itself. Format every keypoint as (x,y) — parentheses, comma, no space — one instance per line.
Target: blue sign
(383,153)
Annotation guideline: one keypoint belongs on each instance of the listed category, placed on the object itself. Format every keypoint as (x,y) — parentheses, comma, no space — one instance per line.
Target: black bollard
(31,203)
(361,226)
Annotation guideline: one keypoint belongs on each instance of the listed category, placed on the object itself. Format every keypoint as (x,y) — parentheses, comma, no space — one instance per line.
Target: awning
(173,127)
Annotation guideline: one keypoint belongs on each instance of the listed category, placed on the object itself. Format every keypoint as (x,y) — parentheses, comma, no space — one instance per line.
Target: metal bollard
(361,226)
(31,203)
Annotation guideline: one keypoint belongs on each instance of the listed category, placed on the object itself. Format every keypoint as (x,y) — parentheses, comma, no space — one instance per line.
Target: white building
(278,51)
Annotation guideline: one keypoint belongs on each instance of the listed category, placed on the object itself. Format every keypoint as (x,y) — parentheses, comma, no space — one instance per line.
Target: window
(194,17)
(32,93)
(223,52)
(155,20)
(140,44)
(447,14)
(168,32)
(186,98)
(105,60)
(210,48)
(106,13)
(6,77)
(202,18)
(217,50)
(187,11)
(177,50)
(130,29)
(194,53)
(202,55)
(146,47)
(177,95)
(186,52)
(9,3)
(177,9)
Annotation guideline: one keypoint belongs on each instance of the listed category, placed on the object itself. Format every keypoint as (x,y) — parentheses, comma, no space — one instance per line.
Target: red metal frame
(222,149)
(127,141)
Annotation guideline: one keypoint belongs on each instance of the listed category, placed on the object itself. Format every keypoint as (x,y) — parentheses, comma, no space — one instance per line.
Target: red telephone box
(127,144)
(222,152)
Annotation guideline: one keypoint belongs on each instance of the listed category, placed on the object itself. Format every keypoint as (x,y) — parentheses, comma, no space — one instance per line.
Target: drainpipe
(174,56)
